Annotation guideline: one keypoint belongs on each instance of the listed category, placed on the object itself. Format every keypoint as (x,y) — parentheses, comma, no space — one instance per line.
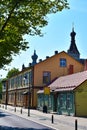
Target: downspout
(33,86)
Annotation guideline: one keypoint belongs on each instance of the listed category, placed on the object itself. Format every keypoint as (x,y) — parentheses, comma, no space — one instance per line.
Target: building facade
(27,82)
(22,88)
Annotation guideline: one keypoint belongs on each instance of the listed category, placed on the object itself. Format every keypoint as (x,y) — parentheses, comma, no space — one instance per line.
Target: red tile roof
(68,82)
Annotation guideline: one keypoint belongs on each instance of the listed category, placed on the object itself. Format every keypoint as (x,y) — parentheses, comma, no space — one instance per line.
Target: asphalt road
(12,122)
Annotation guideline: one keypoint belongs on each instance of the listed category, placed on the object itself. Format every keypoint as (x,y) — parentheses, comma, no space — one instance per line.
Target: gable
(56,58)
(52,65)
(82,87)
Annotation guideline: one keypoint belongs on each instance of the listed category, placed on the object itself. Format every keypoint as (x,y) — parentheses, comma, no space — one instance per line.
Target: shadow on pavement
(3,114)
(15,128)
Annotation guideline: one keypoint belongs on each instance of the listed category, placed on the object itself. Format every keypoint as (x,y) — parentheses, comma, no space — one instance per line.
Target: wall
(53,65)
(81,99)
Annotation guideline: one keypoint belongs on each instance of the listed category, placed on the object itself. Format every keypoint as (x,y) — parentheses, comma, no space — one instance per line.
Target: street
(12,122)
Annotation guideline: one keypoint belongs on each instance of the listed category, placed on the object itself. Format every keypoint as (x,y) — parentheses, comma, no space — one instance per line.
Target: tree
(20,17)
(12,72)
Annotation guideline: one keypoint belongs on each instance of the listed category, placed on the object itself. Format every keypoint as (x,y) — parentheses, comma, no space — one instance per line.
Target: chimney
(70,70)
(23,67)
(40,60)
(56,52)
(85,64)
(47,57)
(29,64)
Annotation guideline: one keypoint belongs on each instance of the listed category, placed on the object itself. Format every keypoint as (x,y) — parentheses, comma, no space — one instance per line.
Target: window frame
(63,62)
(46,77)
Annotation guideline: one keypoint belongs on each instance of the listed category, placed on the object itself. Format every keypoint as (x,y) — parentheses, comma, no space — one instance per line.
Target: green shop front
(61,102)
(47,100)
(65,103)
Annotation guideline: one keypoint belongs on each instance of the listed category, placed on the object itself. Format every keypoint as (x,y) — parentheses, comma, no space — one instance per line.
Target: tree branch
(9,16)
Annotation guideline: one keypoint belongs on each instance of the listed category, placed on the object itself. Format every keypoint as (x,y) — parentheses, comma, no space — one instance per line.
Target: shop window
(62,62)
(62,103)
(50,103)
(40,100)
(46,77)
(69,101)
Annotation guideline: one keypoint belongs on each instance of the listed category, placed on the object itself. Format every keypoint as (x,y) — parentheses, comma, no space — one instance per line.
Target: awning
(26,92)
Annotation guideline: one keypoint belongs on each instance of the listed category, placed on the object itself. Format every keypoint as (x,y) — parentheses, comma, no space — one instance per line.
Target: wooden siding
(81,99)
(52,65)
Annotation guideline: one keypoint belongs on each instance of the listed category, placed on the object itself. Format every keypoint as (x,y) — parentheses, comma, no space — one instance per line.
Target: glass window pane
(62,62)
(46,77)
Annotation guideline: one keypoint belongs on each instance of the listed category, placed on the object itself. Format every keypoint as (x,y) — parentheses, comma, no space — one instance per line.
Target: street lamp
(29,99)
(26,79)
(21,103)
(6,94)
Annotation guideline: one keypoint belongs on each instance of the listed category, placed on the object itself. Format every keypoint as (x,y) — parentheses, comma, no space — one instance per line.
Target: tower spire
(34,58)
(73,51)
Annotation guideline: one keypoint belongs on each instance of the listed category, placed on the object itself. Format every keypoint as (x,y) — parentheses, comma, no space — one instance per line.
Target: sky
(56,36)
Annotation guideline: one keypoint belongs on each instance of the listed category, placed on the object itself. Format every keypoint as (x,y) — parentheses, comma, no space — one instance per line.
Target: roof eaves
(80,84)
(65,88)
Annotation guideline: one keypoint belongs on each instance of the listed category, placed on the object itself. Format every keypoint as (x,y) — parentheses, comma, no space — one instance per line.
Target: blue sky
(57,35)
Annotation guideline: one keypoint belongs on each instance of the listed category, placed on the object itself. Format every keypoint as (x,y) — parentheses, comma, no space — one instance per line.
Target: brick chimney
(70,70)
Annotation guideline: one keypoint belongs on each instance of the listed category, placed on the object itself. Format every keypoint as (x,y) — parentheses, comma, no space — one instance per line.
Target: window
(49,101)
(4,86)
(62,62)
(69,101)
(46,77)
(26,78)
(30,77)
(12,83)
(62,103)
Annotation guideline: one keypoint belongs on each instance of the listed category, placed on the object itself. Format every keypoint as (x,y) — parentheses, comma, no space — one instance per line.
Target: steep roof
(62,52)
(68,82)
(73,50)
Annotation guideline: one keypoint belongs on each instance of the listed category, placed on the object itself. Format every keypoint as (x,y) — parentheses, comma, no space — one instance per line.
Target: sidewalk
(59,122)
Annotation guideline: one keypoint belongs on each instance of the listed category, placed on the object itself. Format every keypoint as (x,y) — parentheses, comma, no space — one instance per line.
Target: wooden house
(68,95)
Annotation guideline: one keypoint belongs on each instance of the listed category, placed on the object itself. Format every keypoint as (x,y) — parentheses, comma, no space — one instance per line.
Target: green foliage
(12,72)
(20,17)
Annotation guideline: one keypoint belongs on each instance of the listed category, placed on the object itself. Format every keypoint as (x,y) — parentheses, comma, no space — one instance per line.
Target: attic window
(62,62)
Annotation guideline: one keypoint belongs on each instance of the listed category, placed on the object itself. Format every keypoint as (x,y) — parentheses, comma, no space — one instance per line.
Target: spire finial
(72,26)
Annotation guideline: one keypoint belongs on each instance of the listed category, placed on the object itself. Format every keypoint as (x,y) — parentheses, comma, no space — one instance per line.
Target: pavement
(52,120)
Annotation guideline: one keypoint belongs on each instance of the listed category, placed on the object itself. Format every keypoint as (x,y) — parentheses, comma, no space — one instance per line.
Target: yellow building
(81,99)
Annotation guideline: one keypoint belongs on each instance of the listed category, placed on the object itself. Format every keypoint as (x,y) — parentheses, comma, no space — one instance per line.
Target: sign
(47,90)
